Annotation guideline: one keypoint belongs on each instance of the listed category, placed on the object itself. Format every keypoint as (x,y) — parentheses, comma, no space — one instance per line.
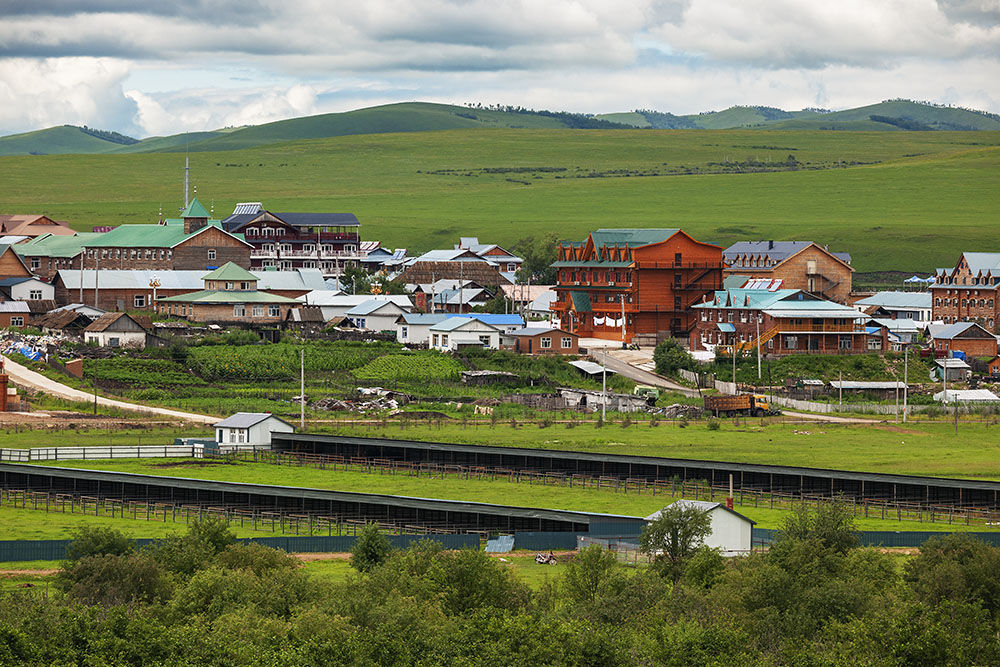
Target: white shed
(731,531)
(250,429)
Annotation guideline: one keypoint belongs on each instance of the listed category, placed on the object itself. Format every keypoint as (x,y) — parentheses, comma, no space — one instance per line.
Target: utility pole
(604,384)
(97,277)
(95,387)
(302,389)
(82,253)
(623,320)
(732,350)
(906,386)
(840,389)
(757,319)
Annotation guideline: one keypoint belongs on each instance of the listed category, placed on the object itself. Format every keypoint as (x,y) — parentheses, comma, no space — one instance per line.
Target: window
(791,342)
(244,286)
(846,343)
(211,253)
(444,340)
(874,343)
(229,285)
(114,342)
(239,310)
(567,342)
(258,311)
(17,321)
(273,311)
(546,342)
(139,301)
(35,295)
(434,340)
(485,340)
(404,332)
(36,263)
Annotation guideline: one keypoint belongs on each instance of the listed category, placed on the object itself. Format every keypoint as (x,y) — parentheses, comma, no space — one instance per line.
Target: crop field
(908,449)
(450,488)
(895,200)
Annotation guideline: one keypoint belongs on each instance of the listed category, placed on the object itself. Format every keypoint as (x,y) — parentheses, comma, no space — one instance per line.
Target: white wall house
(731,531)
(335,305)
(250,429)
(27,289)
(456,332)
(115,330)
(415,328)
(375,315)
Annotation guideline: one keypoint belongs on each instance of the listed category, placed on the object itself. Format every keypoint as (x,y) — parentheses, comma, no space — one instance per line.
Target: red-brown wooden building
(542,340)
(652,277)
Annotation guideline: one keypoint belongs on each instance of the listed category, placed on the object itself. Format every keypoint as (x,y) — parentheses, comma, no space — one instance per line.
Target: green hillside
(630,118)
(909,201)
(168,143)
(53,141)
(403,117)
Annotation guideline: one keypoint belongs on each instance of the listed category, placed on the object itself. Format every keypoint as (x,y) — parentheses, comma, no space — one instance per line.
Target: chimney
(770,245)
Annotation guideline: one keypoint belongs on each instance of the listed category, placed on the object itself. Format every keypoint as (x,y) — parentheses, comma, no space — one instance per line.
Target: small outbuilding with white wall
(732,533)
(246,429)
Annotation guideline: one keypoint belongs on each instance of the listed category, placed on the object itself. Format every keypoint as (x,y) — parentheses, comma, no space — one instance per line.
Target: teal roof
(748,298)
(143,236)
(50,245)
(195,209)
(632,238)
(589,264)
(581,301)
(232,272)
(226,296)
(782,302)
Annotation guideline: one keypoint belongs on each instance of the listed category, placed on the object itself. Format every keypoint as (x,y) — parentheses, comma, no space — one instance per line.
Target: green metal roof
(632,238)
(225,296)
(230,271)
(51,245)
(581,301)
(195,209)
(144,236)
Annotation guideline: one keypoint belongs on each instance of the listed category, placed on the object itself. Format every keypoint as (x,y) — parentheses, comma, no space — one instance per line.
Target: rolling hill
(895,115)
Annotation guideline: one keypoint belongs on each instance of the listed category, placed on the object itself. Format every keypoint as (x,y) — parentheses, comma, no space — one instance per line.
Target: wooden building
(47,254)
(33,225)
(230,296)
(636,285)
(11,264)
(330,242)
(802,265)
(783,321)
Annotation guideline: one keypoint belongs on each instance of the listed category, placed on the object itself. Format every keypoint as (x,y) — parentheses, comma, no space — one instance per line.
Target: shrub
(370,550)
(669,357)
(714,424)
(109,579)
(98,541)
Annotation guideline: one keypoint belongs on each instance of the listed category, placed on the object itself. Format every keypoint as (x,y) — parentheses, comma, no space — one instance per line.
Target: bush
(109,579)
(255,557)
(670,357)
(370,550)
(713,424)
(98,541)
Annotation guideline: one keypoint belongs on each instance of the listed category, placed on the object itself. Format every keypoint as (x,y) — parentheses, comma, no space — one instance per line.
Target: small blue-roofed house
(456,333)
(375,315)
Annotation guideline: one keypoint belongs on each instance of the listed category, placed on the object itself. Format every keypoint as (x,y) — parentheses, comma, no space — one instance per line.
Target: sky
(157,68)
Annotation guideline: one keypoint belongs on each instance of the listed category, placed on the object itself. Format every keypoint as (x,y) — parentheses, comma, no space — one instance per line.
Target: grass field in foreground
(909,449)
(913,204)
(499,491)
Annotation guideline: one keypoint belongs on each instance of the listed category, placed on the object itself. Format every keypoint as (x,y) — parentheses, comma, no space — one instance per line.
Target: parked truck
(756,405)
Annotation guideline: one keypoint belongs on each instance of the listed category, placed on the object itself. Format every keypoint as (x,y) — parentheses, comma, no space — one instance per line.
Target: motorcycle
(543,559)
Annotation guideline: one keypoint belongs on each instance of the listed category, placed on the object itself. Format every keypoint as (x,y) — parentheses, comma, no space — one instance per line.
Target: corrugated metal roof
(862,386)
(897,300)
(590,368)
(966,396)
(632,238)
(703,505)
(954,330)
(246,420)
(14,307)
(370,306)
(51,245)
(453,323)
(230,271)
(301,279)
(226,296)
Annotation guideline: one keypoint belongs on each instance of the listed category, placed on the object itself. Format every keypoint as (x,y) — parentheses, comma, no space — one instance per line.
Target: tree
(586,575)
(370,549)
(831,523)
(98,540)
(538,255)
(109,579)
(670,357)
(674,536)
(959,568)
(498,303)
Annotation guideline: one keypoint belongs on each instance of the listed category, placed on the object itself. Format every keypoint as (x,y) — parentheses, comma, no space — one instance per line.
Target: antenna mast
(187,171)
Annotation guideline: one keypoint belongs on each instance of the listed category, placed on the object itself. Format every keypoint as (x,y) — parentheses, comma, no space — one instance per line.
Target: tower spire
(187,171)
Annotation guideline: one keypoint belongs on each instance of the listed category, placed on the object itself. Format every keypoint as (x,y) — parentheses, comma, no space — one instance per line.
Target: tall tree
(674,536)
(538,255)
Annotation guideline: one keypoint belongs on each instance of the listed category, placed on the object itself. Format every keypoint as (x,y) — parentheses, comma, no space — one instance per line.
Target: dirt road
(25,377)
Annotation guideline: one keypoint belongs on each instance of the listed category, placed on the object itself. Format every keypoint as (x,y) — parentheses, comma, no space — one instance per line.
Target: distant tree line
(108,135)
(577,121)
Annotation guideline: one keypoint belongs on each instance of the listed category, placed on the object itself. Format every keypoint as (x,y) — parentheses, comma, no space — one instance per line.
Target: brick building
(634,284)
(230,296)
(968,291)
(47,254)
(968,337)
(785,321)
(800,265)
(330,242)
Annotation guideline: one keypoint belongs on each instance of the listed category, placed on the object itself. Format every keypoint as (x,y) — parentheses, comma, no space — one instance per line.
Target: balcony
(260,253)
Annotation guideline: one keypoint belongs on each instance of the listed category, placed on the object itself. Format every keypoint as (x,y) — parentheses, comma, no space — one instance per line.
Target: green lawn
(80,435)
(894,200)
(498,491)
(908,449)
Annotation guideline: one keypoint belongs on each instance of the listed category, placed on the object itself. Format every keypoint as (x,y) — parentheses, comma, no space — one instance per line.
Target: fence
(671,488)
(28,550)
(884,538)
(864,408)
(92,453)
(625,550)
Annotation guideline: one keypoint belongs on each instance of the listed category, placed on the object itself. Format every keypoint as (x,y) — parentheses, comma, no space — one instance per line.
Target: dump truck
(756,405)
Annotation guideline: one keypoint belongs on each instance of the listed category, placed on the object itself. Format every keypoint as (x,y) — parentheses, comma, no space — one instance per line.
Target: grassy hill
(55,140)
(907,201)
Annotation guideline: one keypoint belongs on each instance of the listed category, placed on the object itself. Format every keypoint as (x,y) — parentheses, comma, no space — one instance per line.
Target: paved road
(26,377)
